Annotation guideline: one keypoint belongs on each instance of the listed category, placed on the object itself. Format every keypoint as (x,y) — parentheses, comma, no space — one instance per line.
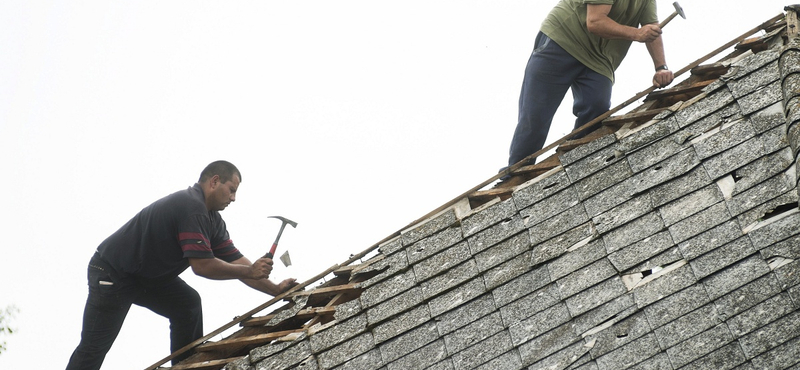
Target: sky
(352,118)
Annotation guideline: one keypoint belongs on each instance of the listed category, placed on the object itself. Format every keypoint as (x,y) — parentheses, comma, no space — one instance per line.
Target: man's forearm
(663,76)
(216,269)
(263,285)
(656,50)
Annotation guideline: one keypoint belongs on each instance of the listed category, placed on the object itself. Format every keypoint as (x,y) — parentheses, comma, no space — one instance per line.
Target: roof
(667,238)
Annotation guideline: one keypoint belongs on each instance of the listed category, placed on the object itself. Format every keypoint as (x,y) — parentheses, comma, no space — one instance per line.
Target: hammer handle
(271,252)
(664,23)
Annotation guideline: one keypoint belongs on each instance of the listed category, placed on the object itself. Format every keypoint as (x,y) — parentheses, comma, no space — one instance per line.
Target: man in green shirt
(579,46)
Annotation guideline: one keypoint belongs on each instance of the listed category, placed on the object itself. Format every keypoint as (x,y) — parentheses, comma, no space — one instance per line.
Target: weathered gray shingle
(456,297)
(735,276)
(699,345)
(771,335)
(481,220)
(339,333)
(470,312)
(401,323)
(546,344)
(482,352)
(630,354)
(641,251)
(621,333)
(540,188)
(595,296)
(408,342)
(344,351)
(687,326)
(422,358)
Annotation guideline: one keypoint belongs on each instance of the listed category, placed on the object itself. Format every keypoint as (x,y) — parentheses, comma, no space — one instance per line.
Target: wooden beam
(244,341)
(331,305)
(715,69)
(630,117)
(690,89)
(305,313)
(259,320)
(333,290)
(206,365)
(792,23)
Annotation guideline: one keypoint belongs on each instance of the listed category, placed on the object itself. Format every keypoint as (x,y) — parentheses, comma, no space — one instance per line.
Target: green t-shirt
(566,25)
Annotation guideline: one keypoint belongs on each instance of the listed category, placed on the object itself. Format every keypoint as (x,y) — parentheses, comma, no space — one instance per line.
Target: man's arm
(265,285)
(254,275)
(663,77)
(217,269)
(598,23)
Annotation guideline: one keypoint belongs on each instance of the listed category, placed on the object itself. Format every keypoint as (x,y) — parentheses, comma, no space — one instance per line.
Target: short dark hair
(224,169)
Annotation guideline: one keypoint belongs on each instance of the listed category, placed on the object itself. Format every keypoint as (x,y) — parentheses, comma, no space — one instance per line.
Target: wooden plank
(631,117)
(206,365)
(714,69)
(353,270)
(331,305)
(345,271)
(259,320)
(572,144)
(479,198)
(792,22)
(244,341)
(749,43)
(333,290)
(691,89)
(504,189)
(305,313)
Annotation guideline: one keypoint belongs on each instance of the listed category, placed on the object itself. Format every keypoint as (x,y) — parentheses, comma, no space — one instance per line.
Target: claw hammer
(284,221)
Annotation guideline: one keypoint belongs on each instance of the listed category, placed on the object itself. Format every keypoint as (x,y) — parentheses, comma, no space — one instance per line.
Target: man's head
(219,181)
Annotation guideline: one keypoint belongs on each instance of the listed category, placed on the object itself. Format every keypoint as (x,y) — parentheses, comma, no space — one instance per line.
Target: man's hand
(286,285)
(647,33)
(663,78)
(261,268)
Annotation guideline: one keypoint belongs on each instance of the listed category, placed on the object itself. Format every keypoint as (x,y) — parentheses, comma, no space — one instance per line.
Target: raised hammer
(284,221)
(678,11)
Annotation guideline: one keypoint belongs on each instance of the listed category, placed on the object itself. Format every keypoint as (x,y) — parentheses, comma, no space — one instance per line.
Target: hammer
(284,221)
(678,11)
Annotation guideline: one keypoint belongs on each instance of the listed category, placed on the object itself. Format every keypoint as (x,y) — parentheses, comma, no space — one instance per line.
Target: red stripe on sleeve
(193,237)
(225,248)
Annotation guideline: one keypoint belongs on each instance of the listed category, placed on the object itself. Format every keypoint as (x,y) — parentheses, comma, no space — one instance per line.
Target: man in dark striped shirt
(140,263)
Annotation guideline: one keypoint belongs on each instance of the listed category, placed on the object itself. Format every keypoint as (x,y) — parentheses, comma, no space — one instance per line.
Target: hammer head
(285,220)
(679,10)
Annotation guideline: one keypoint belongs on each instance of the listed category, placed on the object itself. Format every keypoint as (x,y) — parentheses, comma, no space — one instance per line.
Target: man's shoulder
(189,200)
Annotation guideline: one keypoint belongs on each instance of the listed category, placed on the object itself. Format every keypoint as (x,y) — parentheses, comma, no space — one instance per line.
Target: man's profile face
(222,194)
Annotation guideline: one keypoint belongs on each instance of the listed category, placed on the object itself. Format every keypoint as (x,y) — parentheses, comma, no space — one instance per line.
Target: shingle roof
(669,238)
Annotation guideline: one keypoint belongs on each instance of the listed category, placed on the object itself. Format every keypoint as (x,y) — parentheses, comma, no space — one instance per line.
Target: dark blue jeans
(110,298)
(548,75)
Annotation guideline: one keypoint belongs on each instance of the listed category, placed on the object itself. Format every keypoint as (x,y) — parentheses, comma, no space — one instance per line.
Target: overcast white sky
(353,118)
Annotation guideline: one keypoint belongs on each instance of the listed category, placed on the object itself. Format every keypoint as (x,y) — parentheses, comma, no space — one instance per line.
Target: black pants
(550,72)
(110,298)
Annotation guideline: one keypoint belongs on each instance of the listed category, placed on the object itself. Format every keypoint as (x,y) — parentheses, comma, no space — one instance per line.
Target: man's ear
(213,181)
